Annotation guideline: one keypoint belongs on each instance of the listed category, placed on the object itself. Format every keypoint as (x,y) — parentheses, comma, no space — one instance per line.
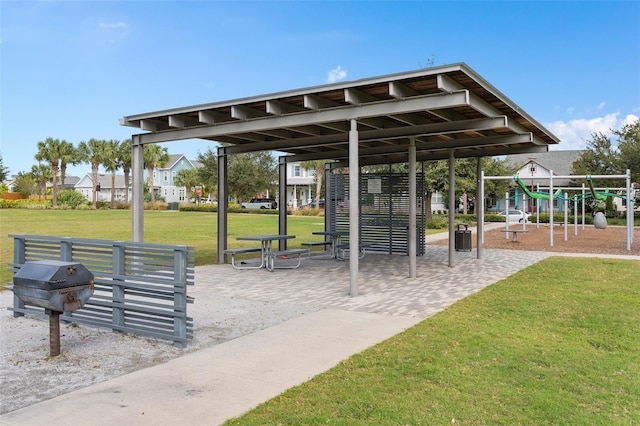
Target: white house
(534,171)
(301,185)
(85,187)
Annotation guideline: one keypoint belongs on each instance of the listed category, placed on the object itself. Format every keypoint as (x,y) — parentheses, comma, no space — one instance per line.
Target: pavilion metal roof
(443,108)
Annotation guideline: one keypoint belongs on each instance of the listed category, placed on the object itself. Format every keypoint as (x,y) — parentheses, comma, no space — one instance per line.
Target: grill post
(54,332)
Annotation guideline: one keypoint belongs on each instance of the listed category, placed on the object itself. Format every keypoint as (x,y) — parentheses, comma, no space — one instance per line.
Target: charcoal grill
(55,286)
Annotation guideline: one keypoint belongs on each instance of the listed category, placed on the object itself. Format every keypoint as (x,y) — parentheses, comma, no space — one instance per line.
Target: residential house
(301,188)
(85,187)
(534,171)
(163,178)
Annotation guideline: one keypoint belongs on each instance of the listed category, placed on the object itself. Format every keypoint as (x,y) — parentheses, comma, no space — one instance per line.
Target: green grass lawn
(198,229)
(555,344)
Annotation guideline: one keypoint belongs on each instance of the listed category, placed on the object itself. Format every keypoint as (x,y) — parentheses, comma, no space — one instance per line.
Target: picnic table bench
(283,254)
(235,251)
(311,244)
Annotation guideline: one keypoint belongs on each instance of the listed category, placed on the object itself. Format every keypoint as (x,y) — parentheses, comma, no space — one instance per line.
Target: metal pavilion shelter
(444,112)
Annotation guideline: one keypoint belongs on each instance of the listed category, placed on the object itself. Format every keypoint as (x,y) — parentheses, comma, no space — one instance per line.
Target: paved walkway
(209,386)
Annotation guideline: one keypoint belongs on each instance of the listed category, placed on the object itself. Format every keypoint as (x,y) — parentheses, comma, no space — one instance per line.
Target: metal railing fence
(140,288)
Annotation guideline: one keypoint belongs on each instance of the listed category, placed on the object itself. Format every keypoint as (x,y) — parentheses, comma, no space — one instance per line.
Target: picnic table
(267,254)
(335,239)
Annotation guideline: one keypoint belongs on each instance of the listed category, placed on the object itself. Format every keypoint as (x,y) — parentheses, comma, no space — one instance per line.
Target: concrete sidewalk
(218,383)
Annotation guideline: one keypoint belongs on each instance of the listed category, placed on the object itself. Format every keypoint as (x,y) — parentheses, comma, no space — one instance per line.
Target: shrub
(25,204)
(71,198)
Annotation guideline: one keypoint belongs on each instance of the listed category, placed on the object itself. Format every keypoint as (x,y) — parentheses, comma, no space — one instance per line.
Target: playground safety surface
(609,241)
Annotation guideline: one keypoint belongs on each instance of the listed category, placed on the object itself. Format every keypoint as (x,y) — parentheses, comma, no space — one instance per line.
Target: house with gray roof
(535,169)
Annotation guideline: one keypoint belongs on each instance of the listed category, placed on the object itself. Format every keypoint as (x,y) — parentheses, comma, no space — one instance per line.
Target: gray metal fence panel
(140,288)
(384,214)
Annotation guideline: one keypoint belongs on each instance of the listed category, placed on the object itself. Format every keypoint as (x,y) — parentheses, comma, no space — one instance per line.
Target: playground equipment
(594,193)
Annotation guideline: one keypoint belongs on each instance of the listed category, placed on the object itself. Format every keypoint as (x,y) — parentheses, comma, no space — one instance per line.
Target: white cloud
(336,74)
(112,32)
(601,105)
(113,25)
(574,134)
(570,110)
(629,119)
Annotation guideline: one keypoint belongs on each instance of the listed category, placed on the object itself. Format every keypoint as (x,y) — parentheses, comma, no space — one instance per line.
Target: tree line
(256,173)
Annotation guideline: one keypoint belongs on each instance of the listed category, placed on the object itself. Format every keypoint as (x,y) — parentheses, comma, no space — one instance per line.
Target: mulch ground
(612,240)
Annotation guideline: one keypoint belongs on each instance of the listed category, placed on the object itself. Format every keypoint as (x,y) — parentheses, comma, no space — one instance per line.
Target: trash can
(463,238)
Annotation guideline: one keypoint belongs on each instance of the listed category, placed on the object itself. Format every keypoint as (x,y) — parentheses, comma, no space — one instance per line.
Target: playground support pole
(550,208)
(524,209)
(537,207)
(506,210)
(583,209)
(575,217)
(566,216)
(629,212)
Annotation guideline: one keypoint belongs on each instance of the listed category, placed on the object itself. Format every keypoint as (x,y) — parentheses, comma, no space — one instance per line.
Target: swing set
(581,195)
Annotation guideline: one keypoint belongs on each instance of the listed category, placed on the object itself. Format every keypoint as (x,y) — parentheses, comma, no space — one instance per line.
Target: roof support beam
(371,135)
(181,121)
(212,117)
(401,91)
(281,108)
(316,103)
(356,97)
(244,113)
(447,85)
(420,103)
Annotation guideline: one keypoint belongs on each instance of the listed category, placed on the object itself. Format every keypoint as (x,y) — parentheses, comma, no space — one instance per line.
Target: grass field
(198,229)
(555,344)
(167,227)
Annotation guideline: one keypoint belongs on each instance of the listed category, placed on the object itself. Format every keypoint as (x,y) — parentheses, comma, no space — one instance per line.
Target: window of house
(165,176)
(182,195)
(297,171)
(437,197)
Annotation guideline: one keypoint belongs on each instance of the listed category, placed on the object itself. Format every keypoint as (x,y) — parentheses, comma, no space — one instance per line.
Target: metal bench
(286,254)
(515,233)
(235,251)
(310,245)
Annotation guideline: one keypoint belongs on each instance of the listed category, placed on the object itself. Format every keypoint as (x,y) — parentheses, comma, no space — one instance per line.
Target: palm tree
(154,156)
(68,155)
(111,163)
(42,174)
(93,152)
(187,178)
(49,151)
(124,156)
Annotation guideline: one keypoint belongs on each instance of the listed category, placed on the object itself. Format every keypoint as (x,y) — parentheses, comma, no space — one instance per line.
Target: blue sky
(70,70)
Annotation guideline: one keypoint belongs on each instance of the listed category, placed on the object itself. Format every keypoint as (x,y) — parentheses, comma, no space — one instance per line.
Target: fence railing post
(19,257)
(180,260)
(118,268)
(66,250)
